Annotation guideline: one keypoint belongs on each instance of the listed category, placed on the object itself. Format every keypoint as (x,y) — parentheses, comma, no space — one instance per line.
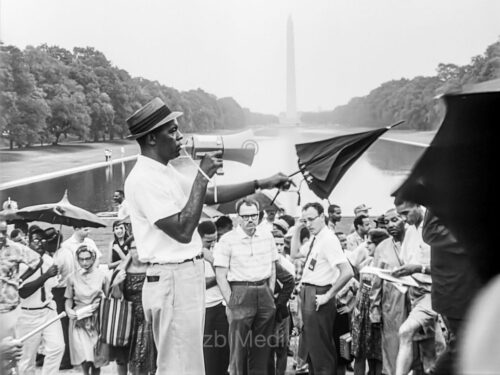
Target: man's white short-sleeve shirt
(326,254)
(155,191)
(35,300)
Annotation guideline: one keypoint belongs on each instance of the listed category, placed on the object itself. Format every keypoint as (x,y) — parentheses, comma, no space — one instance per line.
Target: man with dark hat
(165,207)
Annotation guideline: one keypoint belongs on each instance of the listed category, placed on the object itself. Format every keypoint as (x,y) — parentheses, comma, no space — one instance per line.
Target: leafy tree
(412,100)
(69,114)
(232,113)
(101,114)
(22,105)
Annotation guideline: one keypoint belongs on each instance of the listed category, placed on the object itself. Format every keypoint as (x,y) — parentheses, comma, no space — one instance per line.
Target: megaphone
(234,147)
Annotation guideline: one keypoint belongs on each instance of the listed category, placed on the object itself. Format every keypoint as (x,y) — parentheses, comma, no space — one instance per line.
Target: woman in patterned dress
(139,357)
(366,332)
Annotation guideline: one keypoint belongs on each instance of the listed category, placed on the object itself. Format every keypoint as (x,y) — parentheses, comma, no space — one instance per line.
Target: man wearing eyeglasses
(326,271)
(245,269)
(37,308)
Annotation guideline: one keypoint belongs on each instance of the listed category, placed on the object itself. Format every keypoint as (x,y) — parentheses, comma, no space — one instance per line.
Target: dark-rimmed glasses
(254,217)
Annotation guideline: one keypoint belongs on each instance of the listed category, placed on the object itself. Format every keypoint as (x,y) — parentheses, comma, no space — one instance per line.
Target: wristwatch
(256,185)
(423,269)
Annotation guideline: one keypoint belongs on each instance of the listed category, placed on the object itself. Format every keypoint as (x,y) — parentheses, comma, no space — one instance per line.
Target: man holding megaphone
(165,209)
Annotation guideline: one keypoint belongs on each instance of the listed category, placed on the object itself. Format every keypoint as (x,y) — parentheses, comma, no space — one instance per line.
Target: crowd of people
(270,280)
(236,294)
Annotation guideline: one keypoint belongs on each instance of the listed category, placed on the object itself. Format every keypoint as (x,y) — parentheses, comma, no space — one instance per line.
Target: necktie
(309,252)
(42,290)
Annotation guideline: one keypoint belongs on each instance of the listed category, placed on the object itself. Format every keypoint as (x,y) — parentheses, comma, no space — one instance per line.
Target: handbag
(101,354)
(346,346)
(116,319)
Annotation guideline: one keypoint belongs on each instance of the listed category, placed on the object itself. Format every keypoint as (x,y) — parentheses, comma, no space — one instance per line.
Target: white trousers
(173,298)
(52,338)
(9,321)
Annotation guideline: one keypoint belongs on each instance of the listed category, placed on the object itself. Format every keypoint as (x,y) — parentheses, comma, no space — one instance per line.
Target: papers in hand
(84,312)
(386,275)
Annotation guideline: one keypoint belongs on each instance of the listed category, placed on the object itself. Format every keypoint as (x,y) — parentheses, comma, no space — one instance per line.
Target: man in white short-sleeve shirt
(165,208)
(326,271)
(37,308)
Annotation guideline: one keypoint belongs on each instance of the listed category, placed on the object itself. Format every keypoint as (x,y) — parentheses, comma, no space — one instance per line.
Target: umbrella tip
(396,124)
(65,196)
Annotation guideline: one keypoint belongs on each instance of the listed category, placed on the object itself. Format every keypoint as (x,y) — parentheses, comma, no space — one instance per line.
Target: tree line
(49,92)
(412,100)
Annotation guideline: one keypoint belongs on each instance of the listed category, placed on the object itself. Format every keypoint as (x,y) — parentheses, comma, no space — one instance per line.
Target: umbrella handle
(276,196)
(42,327)
(59,237)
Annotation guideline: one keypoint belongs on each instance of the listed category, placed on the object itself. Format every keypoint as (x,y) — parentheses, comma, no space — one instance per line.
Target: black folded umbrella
(454,176)
(324,163)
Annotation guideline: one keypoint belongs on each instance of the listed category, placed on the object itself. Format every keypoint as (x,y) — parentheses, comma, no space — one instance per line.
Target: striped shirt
(247,258)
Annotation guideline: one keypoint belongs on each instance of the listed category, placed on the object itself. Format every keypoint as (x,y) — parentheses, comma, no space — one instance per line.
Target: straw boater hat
(151,116)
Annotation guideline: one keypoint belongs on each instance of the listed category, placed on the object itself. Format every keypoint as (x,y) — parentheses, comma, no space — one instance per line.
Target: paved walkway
(19,164)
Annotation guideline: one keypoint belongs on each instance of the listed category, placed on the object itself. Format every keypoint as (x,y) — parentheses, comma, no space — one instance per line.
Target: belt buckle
(196,257)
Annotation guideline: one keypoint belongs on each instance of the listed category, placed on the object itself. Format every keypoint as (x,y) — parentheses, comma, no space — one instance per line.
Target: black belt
(249,283)
(155,278)
(35,308)
(317,286)
(199,256)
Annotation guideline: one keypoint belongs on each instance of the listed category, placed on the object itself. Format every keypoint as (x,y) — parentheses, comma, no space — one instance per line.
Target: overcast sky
(237,48)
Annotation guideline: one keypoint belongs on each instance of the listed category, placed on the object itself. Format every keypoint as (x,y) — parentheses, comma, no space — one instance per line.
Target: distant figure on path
(107,154)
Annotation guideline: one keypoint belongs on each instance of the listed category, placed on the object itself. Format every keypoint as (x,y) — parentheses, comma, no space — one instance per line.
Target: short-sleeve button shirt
(213,295)
(155,191)
(353,241)
(11,256)
(327,253)
(247,258)
(35,300)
